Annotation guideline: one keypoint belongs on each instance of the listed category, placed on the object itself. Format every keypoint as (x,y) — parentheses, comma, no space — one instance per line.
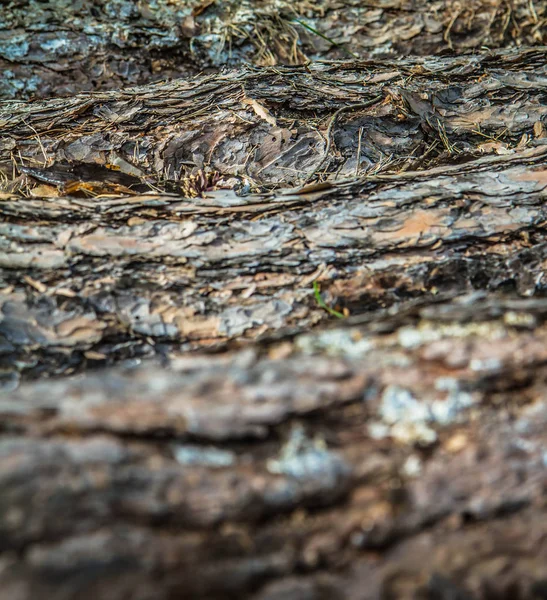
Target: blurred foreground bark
(317,298)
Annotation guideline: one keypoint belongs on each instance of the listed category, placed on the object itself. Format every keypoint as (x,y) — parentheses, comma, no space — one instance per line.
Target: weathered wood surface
(61,47)
(398,452)
(450,199)
(348,463)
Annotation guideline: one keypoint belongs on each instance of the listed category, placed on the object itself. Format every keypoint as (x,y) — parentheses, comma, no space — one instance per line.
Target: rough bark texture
(65,46)
(349,463)
(306,310)
(450,199)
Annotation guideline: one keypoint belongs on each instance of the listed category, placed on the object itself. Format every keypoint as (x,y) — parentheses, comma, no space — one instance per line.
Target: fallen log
(317,298)
(61,48)
(139,245)
(402,458)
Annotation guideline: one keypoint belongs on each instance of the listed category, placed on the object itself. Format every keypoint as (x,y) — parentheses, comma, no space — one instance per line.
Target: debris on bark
(128,216)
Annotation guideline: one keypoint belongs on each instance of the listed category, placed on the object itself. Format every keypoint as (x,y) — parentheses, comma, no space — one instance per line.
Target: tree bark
(62,47)
(317,294)
(449,199)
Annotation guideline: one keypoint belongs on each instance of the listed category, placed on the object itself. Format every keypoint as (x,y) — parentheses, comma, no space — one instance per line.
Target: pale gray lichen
(336,342)
(448,409)
(425,332)
(205,457)
(410,420)
(412,466)
(236,320)
(15,47)
(304,458)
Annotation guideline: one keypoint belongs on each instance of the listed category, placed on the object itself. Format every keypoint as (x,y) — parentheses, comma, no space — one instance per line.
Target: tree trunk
(335,275)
